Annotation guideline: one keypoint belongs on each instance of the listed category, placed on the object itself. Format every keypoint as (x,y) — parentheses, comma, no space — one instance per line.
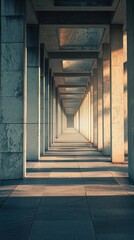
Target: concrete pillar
(62,121)
(42,100)
(76,121)
(125,93)
(106,100)
(33,91)
(86,115)
(47,75)
(54,111)
(57,99)
(100,76)
(91,109)
(50,107)
(65,121)
(130,48)
(59,117)
(82,118)
(95,108)
(77,124)
(12,90)
(117,94)
(89,117)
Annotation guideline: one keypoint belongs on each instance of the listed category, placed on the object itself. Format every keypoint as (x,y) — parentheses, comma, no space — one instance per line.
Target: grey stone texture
(33,93)
(47,104)
(12,80)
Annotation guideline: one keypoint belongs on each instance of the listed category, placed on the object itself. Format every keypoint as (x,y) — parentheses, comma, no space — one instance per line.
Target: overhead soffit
(71,81)
(83,5)
(76,80)
(71,100)
(71,96)
(83,2)
(80,38)
(65,38)
(72,90)
(77,65)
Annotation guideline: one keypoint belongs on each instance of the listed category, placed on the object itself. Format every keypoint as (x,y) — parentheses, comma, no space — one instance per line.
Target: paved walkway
(73,193)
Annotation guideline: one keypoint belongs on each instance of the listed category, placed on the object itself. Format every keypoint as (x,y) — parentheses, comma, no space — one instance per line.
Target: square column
(100,75)
(59,117)
(89,118)
(106,100)
(86,114)
(91,110)
(42,101)
(130,48)
(33,91)
(50,107)
(47,75)
(125,93)
(52,116)
(95,108)
(12,90)
(57,112)
(117,94)
(54,111)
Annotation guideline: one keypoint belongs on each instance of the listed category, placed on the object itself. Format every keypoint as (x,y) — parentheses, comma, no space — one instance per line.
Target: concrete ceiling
(73,33)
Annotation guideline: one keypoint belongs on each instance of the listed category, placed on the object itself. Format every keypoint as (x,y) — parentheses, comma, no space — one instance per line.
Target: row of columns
(24,122)
(29,115)
(103,111)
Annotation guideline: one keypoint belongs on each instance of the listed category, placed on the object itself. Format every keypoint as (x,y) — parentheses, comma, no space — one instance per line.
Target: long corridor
(72,193)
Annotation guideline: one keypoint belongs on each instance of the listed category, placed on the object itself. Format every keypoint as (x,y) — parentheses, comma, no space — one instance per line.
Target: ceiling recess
(92,3)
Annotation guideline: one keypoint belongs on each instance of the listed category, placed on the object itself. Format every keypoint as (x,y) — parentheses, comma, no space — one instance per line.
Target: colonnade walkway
(72,193)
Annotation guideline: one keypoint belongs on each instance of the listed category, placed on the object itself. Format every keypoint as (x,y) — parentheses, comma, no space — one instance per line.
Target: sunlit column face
(106,99)
(125,75)
(117,94)
(100,134)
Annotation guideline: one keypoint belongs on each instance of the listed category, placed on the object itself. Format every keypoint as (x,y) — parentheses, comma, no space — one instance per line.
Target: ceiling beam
(74,18)
(70,93)
(71,98)
(72,86)
(63,74)
(73,55)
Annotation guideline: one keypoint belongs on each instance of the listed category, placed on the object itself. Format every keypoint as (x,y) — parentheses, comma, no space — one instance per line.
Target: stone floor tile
(72,193)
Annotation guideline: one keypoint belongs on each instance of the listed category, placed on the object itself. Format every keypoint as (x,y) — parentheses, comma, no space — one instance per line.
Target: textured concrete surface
(95,108)
(130,8)
(125,76)
(33,93)
(11,90)
(117,94)
(73,192)
(91,110)
(80,38)
(99,98)
(106,100)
